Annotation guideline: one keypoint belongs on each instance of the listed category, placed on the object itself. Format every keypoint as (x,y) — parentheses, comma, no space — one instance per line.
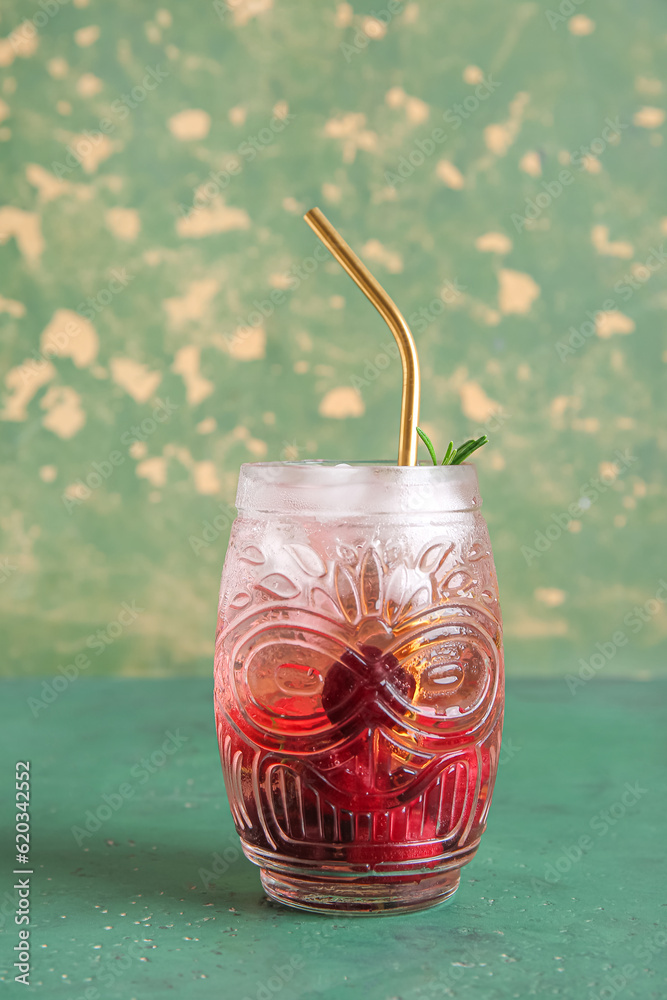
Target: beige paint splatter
(186,363)
(649,117)
(395,97)
(205,478)
(189,125)
(589,425)
(88,85)
(49,187)
(91,154)
(12,306)
(416,110)
(164,18)
(523,627)
(472,75)
(194,305)
(600,240)
(207,425)
(22,383)
(517,292)
(499,138)
(257,447)
(237,115)
(450,175)
(281,280)
(214,218)
(531,164)
(591,164)
(411,14)
(26,229)
(377,252)
(350,129)
(373,28)
(5,110)
(69,335)
(493,243)
(21,42)
(245,10)
(65,416)
(609,470)
(57,68)
(476,405)
(551,596)
(559,406)
(649,86)
(581,25)
(124,223)
(20,540)
(115,182)
(154,470)
(343,401)
(48,473)
(480,311)
(247,344)
(344,15)
(611,322)
(137,379)
(292,205)
(381,195)
(332,192)
(153,33)
(85,37)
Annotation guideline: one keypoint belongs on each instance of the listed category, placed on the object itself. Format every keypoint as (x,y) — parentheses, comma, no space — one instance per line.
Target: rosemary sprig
(427,442)
(454,456)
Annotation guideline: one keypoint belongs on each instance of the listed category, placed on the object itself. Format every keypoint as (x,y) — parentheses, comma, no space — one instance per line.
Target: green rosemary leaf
(454,456)
(466,450)
(427,442)
(461,452)
(449,454)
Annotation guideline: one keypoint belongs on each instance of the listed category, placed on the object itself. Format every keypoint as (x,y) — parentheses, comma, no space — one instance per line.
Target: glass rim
(327,487)
(335,463)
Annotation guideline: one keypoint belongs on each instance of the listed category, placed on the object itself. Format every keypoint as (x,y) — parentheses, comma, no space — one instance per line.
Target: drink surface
(359,689)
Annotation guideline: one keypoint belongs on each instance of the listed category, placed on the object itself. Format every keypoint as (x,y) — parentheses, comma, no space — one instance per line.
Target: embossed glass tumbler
(359,681)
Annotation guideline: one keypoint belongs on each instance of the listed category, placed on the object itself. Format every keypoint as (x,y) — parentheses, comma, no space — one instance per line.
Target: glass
(359,681)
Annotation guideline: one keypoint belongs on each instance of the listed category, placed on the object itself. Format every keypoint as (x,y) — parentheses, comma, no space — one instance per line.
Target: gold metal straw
(407,439)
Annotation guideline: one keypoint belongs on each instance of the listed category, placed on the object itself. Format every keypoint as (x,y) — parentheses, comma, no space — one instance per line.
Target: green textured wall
(428,133)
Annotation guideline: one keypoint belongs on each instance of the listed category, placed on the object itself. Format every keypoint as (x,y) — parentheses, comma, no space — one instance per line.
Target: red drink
(359,701)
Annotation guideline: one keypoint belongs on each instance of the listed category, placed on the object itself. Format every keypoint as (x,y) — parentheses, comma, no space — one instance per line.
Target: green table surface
(566,896)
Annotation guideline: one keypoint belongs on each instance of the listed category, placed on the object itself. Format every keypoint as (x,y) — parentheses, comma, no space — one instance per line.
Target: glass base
(363,896)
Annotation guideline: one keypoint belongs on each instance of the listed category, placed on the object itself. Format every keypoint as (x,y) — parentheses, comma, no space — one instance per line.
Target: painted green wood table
(139,888)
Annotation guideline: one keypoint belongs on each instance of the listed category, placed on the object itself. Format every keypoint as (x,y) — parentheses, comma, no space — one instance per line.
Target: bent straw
(373,290)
